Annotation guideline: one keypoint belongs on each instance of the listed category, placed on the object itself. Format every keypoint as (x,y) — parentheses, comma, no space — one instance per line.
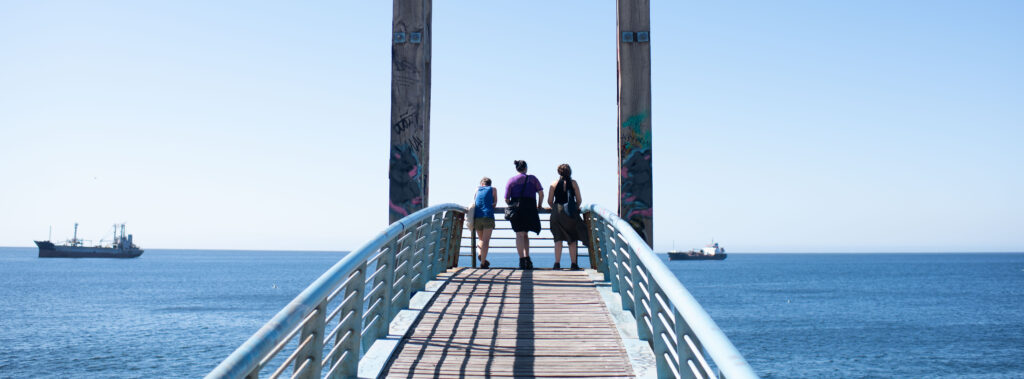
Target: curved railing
(678,329)
(355,300)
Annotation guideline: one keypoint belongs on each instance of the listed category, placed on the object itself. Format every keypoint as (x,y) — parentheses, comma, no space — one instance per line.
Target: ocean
(177,313)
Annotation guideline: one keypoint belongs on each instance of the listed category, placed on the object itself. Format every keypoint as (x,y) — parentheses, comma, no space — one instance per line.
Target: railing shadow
(523,364)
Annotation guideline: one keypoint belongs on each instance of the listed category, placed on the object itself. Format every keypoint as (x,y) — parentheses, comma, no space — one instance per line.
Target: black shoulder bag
(512,210)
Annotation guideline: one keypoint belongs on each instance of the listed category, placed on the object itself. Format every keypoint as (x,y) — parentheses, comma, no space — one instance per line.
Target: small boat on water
(120,247)
(710,252)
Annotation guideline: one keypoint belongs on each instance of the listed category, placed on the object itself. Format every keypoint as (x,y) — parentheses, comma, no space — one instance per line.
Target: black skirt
(526,218)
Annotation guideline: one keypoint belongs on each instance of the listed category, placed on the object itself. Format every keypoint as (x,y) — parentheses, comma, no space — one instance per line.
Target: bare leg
(484,243)
(558,252)
(573,247)
(521,241)
(526,245)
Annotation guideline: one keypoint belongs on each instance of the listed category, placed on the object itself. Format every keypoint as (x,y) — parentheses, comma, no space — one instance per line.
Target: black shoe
(575,267)
(557,266)
(529,263)
(522,263)
(485,264)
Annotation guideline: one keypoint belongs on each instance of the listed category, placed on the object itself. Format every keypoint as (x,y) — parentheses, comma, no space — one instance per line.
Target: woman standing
(483,218)
(523,190)
(566,226)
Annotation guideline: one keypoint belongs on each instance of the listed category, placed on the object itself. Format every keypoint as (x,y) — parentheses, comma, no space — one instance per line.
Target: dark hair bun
(520,165)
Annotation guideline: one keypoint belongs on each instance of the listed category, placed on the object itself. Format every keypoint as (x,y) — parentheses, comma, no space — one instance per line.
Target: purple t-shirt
(516,188)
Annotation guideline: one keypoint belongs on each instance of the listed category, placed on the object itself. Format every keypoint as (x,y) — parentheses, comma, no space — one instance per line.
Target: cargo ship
(710,252)
(120,247)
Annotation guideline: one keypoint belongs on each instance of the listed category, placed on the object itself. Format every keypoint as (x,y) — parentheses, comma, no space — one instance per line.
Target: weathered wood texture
(514,323)
(636,192)
(410,109)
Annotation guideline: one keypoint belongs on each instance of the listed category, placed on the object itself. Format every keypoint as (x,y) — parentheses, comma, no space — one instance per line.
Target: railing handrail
(247,357)
(729,360)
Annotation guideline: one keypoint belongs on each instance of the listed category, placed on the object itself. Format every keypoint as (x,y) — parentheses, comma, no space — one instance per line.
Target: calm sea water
(178,313)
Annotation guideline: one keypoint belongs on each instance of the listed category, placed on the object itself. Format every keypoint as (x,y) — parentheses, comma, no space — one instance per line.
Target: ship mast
(74,239)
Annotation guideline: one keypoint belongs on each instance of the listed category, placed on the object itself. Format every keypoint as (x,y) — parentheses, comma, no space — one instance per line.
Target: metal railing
(355,300)
(677,328)
(503,239)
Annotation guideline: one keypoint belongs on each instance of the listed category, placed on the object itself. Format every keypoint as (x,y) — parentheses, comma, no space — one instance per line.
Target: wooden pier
(503,322)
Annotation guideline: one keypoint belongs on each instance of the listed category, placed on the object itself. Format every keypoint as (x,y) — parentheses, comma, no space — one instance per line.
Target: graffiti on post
(636,195)
(406,181)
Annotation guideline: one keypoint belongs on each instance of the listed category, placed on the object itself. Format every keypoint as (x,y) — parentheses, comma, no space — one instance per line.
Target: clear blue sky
(778,126)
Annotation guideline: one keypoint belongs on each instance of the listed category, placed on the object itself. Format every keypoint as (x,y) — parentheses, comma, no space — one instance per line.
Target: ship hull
(695,257)
(49,250)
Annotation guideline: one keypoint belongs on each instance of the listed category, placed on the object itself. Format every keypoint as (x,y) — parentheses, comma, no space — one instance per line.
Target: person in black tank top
(566,225)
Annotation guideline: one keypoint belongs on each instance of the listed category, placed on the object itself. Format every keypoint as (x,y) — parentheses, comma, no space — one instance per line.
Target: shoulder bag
(512,210)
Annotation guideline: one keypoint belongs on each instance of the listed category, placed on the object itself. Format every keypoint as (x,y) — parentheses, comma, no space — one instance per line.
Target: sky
(784,126)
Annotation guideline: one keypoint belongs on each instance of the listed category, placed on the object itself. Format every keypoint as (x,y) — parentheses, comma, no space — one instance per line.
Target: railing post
(624,277)
(611,255)
(683,349)
(659,333)
(429,251)
(418,256)
(441,260)
(637,273)
(402,277)
(313,352)
(593,250)
(472,244)
(435,235)
(456,242)
(386,279)
(349,335)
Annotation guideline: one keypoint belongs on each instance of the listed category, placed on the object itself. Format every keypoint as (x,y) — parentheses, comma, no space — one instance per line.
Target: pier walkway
(403,306)
(507,322)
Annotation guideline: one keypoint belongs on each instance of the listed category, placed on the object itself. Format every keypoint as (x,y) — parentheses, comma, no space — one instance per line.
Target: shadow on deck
(503,322)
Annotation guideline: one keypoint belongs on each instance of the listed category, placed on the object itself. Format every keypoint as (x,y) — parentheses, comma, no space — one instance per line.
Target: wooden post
(410,108)
(634,128)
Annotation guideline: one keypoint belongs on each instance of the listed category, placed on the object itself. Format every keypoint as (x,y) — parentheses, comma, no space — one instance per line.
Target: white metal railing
(355,300)
(682,335)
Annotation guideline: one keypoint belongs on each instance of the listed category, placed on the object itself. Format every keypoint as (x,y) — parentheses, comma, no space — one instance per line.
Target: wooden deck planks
(514,323)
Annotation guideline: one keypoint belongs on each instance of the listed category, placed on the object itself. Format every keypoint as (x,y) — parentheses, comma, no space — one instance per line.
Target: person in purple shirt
(526,189)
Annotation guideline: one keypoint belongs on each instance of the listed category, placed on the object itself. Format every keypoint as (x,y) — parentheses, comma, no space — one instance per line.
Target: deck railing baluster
(424,240)
(642,281)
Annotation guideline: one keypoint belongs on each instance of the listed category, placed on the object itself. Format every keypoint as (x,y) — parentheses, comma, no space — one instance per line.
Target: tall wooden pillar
(635,171)
(410,108)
